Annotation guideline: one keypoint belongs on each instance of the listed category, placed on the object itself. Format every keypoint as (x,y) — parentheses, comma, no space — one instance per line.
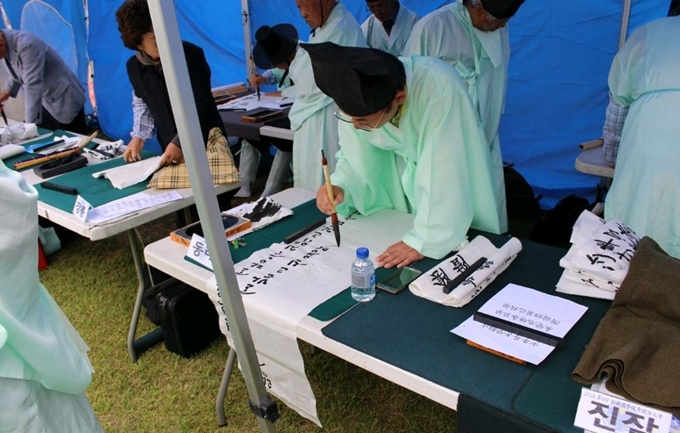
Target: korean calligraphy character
(200,249)
(599,410)
(636,420)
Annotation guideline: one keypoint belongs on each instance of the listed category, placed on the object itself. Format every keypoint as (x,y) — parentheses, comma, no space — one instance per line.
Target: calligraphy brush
(4,116)
(329,189)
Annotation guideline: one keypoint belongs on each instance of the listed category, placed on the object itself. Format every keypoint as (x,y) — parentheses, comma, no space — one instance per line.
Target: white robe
(377,37)
(311,116)
(481,59)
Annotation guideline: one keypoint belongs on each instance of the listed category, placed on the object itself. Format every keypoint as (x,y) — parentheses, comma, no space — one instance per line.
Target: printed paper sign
(81,208)
(198,251)
(601,413)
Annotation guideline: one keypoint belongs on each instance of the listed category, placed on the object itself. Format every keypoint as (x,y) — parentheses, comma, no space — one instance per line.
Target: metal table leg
(136,347)
(222,394)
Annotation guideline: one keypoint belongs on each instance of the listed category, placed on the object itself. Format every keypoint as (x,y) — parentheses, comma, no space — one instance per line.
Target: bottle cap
(362,253)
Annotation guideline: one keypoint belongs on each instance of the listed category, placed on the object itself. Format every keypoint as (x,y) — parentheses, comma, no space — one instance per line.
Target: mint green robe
(645,76)
(481,59)
(435,164)
(43,367)
(311,116)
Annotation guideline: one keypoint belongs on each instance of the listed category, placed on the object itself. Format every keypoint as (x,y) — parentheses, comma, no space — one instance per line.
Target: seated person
(644,79)
(274,51)
(53,96)
(389,26)
(150,100)
(44,368)
(410,140)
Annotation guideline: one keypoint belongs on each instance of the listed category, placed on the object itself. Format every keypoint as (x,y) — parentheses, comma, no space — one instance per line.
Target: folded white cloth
(10,150)
(127,175)
(17,133)
(598,260)
(430,285)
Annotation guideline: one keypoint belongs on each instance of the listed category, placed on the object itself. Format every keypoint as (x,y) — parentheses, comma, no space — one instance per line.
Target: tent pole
(184,111)
(625,19)
(5,18)
(247,44)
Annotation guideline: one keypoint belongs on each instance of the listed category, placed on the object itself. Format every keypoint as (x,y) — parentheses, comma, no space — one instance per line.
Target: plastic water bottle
(363,277)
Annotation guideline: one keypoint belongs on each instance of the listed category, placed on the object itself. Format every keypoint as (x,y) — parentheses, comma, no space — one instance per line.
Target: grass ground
(95,282)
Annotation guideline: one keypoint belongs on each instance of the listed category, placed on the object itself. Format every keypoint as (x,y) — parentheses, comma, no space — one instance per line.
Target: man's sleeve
(615,117)
(367,174)
(441,177)
(33,76)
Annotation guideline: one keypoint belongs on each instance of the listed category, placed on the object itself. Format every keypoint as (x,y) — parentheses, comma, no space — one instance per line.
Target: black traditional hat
(274,45)
(361,81)
(502,9)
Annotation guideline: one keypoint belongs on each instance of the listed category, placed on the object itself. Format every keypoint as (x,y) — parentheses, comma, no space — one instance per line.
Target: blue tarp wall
(557,89)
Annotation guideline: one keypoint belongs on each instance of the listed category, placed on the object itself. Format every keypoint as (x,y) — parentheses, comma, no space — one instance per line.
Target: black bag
(521,203)
(188,319)
(554,226)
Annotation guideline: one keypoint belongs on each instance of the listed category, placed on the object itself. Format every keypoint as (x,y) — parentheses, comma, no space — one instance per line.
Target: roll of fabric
(430,285)
(635,344)
(17,133)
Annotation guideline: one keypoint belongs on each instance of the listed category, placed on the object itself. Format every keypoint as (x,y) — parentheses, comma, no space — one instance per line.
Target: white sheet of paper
(503,341)
(130,204)
(130,174)
(537,310)
(250,102)
(526,307)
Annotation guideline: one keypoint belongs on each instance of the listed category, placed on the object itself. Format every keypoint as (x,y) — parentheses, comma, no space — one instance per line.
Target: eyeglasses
(359,123)
(345,118)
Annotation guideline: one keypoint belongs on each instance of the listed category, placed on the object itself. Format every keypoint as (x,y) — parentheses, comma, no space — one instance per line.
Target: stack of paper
(599,257)
(529,311)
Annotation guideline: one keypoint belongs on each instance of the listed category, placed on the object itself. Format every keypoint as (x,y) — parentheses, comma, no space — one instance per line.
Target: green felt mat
(412,333)
(343,301)
(95,191)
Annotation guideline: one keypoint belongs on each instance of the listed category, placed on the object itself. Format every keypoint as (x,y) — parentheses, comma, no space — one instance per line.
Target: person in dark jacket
(150,100)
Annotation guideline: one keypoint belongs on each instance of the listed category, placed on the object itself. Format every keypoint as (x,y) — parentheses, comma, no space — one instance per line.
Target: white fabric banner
(598,260)
(430,285)
(283,283)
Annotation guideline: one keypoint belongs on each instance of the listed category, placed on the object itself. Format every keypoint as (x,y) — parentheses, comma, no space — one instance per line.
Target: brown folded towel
(637,343)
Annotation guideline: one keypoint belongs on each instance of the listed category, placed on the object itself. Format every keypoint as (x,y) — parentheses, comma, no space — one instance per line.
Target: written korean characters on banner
(601,413)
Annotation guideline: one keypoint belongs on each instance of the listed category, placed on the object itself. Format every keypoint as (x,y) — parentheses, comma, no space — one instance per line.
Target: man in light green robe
(471,36)
(414,144)
(645,76)
(43,366)
(311,116)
